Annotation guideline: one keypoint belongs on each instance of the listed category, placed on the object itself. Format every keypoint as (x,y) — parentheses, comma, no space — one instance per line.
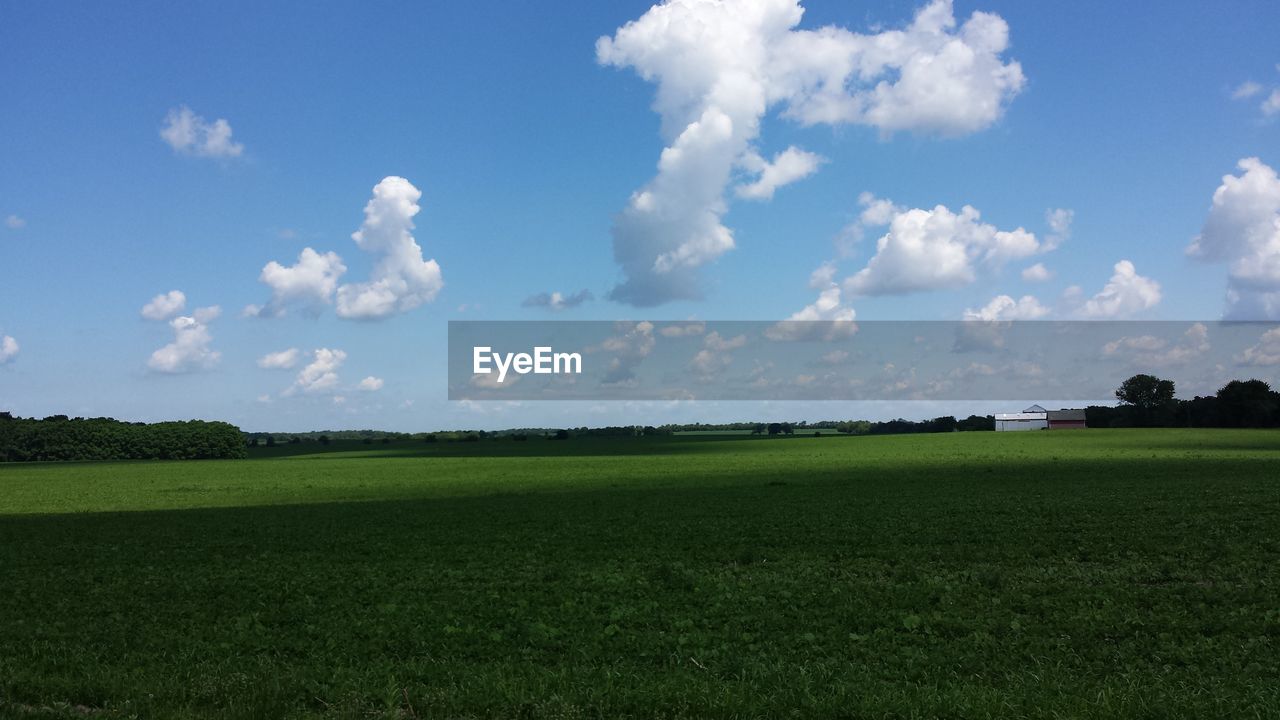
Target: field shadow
(536,447)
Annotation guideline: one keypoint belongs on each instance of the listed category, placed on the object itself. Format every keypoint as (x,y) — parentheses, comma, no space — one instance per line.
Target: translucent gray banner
(822,360)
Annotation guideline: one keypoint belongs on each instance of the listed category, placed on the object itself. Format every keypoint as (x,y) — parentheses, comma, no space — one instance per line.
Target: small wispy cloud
(556,301)
(190,134)
(1246,90)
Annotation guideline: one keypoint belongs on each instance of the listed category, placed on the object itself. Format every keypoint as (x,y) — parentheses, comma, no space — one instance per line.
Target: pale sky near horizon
(268,213)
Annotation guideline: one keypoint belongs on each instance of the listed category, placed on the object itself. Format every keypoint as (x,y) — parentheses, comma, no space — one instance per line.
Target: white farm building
(1033,418)
(1037,418)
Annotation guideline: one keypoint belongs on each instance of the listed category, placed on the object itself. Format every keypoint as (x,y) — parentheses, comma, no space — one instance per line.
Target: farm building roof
(1021,416)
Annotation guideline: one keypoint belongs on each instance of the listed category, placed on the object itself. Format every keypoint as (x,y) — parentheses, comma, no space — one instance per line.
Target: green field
(1120,573)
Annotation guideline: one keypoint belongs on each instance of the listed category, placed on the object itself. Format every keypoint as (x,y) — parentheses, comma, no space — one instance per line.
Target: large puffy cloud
(190,349)
(720,65)
(190,134)
(673,225)
(164,305)
(933,249)
(401,280)
(308,283)
(930,77)
(1243,231)
(8,349)
(1004,307)
(1125,294)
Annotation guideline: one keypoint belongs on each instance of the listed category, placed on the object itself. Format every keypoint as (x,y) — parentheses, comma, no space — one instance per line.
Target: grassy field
(1073,574)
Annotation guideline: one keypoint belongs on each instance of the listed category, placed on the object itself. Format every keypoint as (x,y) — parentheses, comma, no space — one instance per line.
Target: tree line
(1148,401)
(59,437)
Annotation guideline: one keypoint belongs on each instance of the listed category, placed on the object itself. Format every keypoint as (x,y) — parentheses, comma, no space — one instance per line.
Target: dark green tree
(1247,403)
(1150,399)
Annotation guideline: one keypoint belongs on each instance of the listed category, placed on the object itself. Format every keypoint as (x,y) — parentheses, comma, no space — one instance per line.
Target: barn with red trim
(1066,419)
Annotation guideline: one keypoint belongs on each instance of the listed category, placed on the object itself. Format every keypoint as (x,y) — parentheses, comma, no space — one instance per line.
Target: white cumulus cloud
(308,283)
(720,66)
(934,249)
(320,375)
(790,165)
(190,134)
(1004,307)
(370,384)
(401,280)
(1036,273)
(1059,221)
(1248,90)
(282,360)
(1125,294)
(1243,231)
(828,306)
(827,318)
(1271,105)
(8,349)
(165,305)
(190,349)
(13,222)
(823,276)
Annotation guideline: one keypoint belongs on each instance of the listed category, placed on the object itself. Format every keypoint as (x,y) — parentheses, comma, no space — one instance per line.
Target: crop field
(1100,573)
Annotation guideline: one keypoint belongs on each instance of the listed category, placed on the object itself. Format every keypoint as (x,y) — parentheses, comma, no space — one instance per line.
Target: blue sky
(526,150)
